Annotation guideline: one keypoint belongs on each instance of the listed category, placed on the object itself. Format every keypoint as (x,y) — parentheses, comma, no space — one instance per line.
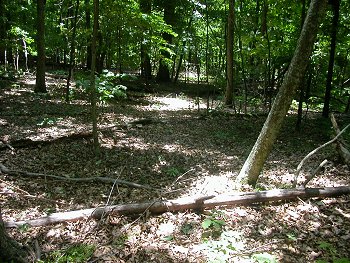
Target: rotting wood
(5,170)
(196,203)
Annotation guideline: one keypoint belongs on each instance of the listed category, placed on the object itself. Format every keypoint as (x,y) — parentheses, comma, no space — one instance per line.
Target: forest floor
(184,152)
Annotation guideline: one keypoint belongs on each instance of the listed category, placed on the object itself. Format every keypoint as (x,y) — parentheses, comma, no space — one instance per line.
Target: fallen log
(31,143)
(197,203)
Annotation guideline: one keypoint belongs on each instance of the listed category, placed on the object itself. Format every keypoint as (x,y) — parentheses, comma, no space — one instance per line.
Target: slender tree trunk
(327,98)
(229,95)
(88,26)
(40,85)
(207,42)
(72,51)
(239,33)
(302,88)
(92,79)
(178,69)
(2,32)
(258,155)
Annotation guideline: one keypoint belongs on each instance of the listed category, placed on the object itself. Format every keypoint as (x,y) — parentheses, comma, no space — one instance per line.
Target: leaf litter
(183,154)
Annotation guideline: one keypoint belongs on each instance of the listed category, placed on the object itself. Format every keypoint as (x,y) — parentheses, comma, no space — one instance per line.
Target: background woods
(202,110)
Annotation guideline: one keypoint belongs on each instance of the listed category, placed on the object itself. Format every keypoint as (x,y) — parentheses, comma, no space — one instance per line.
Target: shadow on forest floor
(202,153)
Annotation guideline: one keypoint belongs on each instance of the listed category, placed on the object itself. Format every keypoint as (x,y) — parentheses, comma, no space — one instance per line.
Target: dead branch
(313,152)
(245,198)
(341,145)
(315,172)
(5,170)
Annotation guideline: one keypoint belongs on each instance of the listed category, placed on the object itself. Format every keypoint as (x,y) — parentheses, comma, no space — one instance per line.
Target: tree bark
(196,203)
(40,85)
(229,95)
(258,155)
(327,97)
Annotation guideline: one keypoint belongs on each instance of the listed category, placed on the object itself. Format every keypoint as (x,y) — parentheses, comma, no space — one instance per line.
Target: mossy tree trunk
(263,145)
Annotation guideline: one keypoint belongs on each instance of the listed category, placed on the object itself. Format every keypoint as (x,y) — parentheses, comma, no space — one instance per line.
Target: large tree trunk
(229,97)
(169,18)
(40,85)
(10,250)
(327,97)
(256,159)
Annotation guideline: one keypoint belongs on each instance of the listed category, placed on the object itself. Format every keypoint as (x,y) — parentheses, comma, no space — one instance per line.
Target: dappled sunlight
(162,143)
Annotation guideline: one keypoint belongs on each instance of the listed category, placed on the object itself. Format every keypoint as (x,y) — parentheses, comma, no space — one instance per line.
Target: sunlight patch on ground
(173,104)
(214,184)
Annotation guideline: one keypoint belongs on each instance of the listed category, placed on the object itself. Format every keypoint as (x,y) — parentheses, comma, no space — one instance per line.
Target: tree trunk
(88,26)
(256,159)
(2,32)
(146,67)
(72,51)
(169,15)
(92,79)
(10,250)
(229,95)
(40,85)
(327,97)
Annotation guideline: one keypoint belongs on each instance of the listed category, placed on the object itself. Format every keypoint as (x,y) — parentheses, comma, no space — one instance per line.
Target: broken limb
(341,145)
(315,172)
(5,170)
(313,152)
(245,198)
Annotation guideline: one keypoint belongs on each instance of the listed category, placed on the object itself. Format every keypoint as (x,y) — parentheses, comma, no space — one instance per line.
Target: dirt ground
(181,150)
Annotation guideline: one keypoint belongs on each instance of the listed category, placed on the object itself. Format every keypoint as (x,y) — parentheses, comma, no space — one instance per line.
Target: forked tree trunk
(263,145)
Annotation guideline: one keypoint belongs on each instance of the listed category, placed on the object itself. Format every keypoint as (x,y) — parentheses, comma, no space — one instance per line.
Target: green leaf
(207,223)
(168,238)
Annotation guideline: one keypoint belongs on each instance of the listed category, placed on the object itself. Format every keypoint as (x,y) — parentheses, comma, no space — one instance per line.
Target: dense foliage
(188,38)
